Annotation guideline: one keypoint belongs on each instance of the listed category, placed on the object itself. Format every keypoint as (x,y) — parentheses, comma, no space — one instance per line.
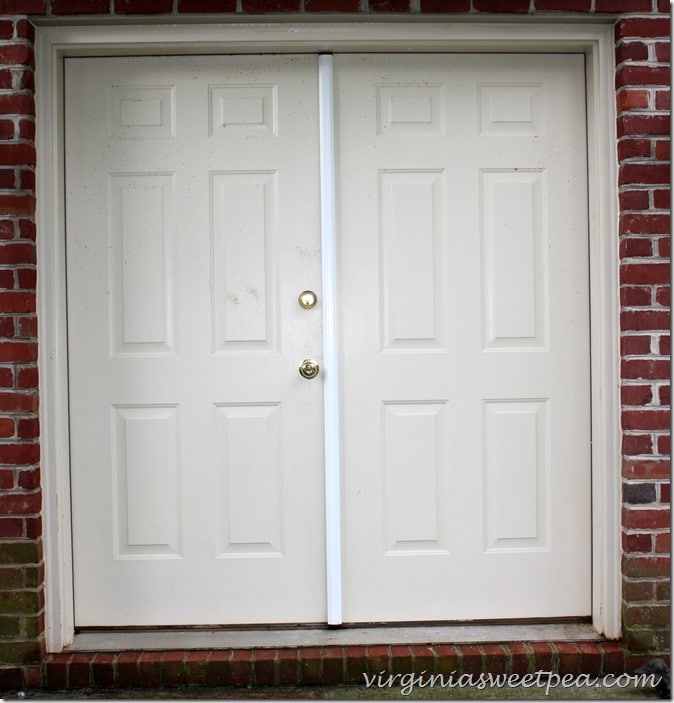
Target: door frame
(56,41)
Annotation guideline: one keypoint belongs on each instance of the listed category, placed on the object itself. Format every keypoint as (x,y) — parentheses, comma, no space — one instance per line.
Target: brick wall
(643,102)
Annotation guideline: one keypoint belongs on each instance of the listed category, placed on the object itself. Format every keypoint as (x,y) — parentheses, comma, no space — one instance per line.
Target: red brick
(27,327)
(356,664)
(333,665)
(515,6)
(6,479)
(331,5)
(127,669)
(631,51)
(17,253)
(7,179)
(448,659)
(637,543)
(6,377)
(6,129)
(663,543)
(445,6)
(288,667)
(241,668)
(665,392)
(519,658)
(6,30)
(256,6)
(640,320)
(630,274)
(149,670)
(646,615)
(32,676)
(377,659)
(591,657)
(640,223)
(638,173)
(656,369)
(663,100)
(218,668)
(28,377)
(642,27)
(17,55)
(636,395)
(102,670)
(56,672)
(206,6)
(643,419)
(423,657)
(11,527)
(635,345)
(634,445)
(645,519)
(28,428)
(613,658)
(7,427)
(196,666)
(11,204)
(635,591)
(7,280)
(542,654)
(632,100)
(24,7)
(639,74)
(20,504)
(25,29)
(664,445)
(18,402)
(389,5)
(29,479)
(80,7)
(636,247)
(471,659)
(640,469)
(265,667)
(27,230)
(174,669)
(663,296)
(665,246)
(662,150)
(142,7)
(563,5)
(495,658)
(79,672)
(663,52)
(569,657)
(623,5)
(311,666)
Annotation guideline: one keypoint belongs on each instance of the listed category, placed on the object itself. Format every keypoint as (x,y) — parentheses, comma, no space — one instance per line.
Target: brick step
(324,665)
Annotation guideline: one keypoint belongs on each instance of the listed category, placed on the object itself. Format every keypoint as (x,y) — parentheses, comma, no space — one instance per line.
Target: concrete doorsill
(146,639)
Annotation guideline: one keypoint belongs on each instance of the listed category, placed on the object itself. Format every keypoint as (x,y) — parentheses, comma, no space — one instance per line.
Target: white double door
(193,223)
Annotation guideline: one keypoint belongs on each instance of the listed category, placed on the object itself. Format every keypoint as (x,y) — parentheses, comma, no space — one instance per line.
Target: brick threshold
(329,665)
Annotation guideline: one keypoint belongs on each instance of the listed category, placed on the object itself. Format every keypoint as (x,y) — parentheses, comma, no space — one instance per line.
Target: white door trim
(595,40)
(331,384)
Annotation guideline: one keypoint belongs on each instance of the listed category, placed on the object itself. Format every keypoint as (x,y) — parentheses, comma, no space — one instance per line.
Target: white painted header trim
(335,37)
(595,40)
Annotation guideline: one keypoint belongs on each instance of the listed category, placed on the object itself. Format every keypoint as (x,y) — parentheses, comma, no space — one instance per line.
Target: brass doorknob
(307,299)
(309,369)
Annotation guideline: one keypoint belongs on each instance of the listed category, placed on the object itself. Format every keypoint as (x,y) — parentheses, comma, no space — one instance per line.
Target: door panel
(463,231)
(192,219)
